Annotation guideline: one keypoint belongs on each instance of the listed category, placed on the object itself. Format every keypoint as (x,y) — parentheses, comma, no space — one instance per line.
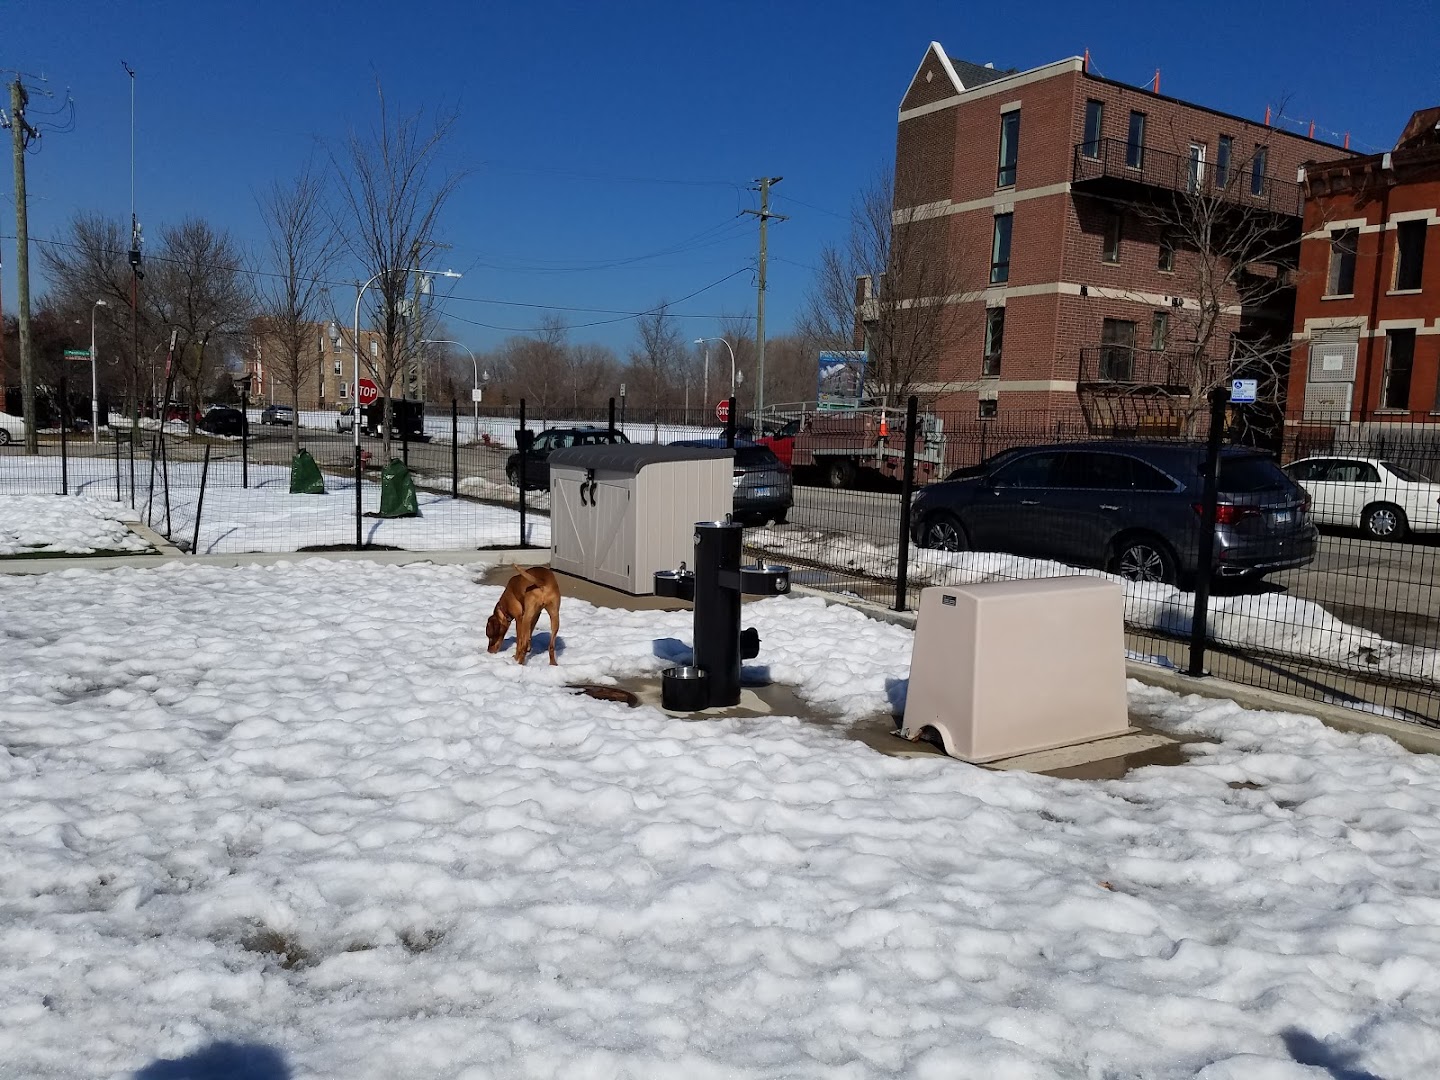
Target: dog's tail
(525,574)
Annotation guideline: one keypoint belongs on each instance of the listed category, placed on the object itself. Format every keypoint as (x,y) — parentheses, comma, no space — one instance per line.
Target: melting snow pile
(66,525)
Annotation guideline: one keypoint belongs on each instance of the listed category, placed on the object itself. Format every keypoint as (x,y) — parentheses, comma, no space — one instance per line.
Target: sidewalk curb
(1413,737)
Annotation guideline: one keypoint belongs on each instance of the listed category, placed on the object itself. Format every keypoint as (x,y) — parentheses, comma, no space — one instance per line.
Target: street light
(358,296)
(476,392)
(733,379)
(94,382)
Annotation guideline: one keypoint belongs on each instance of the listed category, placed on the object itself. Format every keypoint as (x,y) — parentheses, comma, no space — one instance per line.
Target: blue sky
(597,132)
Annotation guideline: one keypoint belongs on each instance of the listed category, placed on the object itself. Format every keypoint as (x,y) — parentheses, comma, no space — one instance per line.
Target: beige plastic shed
(620,512)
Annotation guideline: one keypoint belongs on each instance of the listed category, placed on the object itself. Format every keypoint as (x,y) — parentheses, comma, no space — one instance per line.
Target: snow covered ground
(266,517)
(498,431)
(260,815)
(1281,624)
(66,524)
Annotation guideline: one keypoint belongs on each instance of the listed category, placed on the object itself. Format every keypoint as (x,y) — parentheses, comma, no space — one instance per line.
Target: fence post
(150,497)
(907,492)
(245,435)
(612,419)
(730,423)
(64,442)
(1218,399)
(524,453)
(117,466)
(405,439)
(359,479)
(455,448)
(200,503)
(131,441)
(165,476)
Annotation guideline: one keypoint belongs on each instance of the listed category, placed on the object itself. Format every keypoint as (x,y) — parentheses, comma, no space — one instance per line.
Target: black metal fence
(1358,625)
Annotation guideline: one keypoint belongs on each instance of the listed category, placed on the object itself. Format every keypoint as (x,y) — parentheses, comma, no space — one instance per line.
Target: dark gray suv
(1129,507)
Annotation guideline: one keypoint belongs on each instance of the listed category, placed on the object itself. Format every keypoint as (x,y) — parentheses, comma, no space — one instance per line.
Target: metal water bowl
(684,689)
(675,584)
(763,579)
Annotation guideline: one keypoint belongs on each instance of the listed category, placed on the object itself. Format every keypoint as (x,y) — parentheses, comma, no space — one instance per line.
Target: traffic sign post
(722,410)
(367,393)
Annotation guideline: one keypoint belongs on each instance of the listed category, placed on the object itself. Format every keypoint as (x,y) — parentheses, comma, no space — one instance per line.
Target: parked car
(1129,507)
(537,458)
(345,421)
(223,420)
(1384,498)
(278,414)
(764,489)
(12,429)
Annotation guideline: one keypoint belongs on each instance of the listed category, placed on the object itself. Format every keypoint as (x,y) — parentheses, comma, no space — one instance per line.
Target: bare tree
(300,248)
(906,311)
(538,366)
(593,372)
(657,357)
(197,287)
(89,264)
(393,190)
(1231,240)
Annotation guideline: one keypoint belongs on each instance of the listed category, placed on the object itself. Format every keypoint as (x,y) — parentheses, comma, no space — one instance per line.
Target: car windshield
(1244,474)
(1410,476)
(755,457)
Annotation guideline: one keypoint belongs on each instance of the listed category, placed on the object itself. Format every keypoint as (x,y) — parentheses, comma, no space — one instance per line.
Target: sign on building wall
(842,380)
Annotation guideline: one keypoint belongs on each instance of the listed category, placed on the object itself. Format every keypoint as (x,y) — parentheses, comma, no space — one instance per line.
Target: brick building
(1367,311)
(1054,191)
(325,376)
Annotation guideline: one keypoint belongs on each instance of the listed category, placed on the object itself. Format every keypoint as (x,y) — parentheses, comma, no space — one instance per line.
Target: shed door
(572,525)
(613,546)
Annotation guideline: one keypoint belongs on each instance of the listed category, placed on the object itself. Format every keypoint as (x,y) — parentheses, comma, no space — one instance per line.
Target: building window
(994,340)
(1135,141)
(1343,245)
(1117,350)
(344,390)
(989,408)
(1009,148)
(1257,171)
(1110,245)
(337,367)
(1166,261)
(1409,253)
(1195,179)
(1222,160)
(1399,360)
(335,343)
(1094,120)
(1159,331)
(1000,249)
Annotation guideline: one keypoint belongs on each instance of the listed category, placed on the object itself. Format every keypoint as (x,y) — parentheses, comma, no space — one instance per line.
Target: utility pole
(21,131)
(764,215)
(136,273)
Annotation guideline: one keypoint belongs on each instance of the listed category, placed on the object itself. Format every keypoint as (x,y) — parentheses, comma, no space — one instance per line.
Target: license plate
(764,493)
(1282,517)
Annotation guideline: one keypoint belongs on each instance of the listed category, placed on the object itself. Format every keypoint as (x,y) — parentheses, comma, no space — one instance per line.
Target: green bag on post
(305,478)
(397,491)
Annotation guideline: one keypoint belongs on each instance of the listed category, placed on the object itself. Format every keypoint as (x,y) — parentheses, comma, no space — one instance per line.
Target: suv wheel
(1383,522)
(4,437)
(945,533)
(512,474)
(1144,558)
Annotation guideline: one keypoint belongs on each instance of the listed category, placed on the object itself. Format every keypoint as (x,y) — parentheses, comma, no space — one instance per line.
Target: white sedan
(12,429)
(1383,498)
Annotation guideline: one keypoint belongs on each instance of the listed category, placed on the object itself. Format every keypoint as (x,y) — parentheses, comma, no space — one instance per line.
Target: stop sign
(367,392)
(722,410)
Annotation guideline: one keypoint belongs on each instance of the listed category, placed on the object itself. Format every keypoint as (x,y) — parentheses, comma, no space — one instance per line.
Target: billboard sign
(842,380)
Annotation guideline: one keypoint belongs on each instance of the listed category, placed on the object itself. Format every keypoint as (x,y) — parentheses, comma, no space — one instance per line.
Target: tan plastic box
(1012,667)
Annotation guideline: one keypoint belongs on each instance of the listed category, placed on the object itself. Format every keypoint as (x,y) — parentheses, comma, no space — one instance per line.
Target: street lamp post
(476,391)
(726,343)
(355,427)
(94,380)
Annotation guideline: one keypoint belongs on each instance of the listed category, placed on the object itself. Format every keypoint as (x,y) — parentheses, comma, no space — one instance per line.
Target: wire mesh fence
(1323,582)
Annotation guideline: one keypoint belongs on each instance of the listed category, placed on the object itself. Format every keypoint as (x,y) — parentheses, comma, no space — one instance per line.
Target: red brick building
(1052,189)
(1367,310)
(325,375)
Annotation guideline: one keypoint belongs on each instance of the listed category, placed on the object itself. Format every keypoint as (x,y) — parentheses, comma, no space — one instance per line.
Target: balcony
(1113,168)
(1137,392)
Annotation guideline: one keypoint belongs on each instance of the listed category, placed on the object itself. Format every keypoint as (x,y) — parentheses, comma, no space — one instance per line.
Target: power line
(812,206)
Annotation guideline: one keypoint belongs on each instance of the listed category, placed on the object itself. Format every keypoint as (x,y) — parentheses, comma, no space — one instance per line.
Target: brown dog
(527,594)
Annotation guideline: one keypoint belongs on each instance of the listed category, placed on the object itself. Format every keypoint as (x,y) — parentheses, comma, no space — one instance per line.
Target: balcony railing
(1127,369)
(1118,163)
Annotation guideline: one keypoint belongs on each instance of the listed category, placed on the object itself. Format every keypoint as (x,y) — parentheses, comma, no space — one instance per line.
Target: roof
(629,457)
(973,75)
(1422,130)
